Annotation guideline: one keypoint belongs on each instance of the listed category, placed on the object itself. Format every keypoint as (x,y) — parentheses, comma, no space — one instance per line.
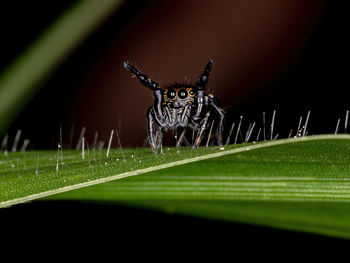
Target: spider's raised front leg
(201,130)
(146,81)
(200,88)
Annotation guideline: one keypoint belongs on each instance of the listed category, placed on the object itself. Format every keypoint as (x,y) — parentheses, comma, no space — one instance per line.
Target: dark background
(108,229)
(290,56)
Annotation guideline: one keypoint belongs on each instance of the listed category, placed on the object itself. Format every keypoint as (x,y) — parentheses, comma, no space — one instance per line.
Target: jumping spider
(180,106)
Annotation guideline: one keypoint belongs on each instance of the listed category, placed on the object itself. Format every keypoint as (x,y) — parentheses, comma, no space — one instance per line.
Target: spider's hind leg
(182,138)
(219,128)
(151,130)
(221,115)
(159,140)
(201,130)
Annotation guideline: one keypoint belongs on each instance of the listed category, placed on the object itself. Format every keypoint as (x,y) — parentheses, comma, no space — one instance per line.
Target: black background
(317,82)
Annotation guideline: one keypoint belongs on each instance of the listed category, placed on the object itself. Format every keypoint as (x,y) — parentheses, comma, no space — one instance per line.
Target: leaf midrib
(172,164)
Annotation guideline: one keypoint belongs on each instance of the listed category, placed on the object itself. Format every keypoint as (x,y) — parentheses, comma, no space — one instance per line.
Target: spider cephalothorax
(181,106)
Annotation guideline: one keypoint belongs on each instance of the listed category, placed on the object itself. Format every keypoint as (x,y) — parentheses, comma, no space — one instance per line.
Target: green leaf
(300,184)
(20,80)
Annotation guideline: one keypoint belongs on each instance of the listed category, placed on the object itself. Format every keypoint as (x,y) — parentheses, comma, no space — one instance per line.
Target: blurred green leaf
(21,79)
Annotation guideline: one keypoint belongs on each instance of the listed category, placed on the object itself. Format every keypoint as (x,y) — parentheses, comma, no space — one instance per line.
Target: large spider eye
(171,94)
(182,93)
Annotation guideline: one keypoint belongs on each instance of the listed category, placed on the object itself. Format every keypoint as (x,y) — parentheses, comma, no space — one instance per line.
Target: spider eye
(182,93)
(171,94)
(191,92)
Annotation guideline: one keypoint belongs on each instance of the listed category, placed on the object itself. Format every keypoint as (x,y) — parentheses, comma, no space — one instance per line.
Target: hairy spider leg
(200,88)
(203,80)
(151,130)
(146,81)
(209,135)
(181,137)
(159,139)
(186,142)
(186,112)
(201,130)
(221,115)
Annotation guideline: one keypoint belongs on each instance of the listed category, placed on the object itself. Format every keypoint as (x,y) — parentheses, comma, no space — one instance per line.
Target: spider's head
(178,95)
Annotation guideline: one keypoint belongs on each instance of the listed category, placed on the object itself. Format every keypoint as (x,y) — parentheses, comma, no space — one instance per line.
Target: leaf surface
(300,184)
